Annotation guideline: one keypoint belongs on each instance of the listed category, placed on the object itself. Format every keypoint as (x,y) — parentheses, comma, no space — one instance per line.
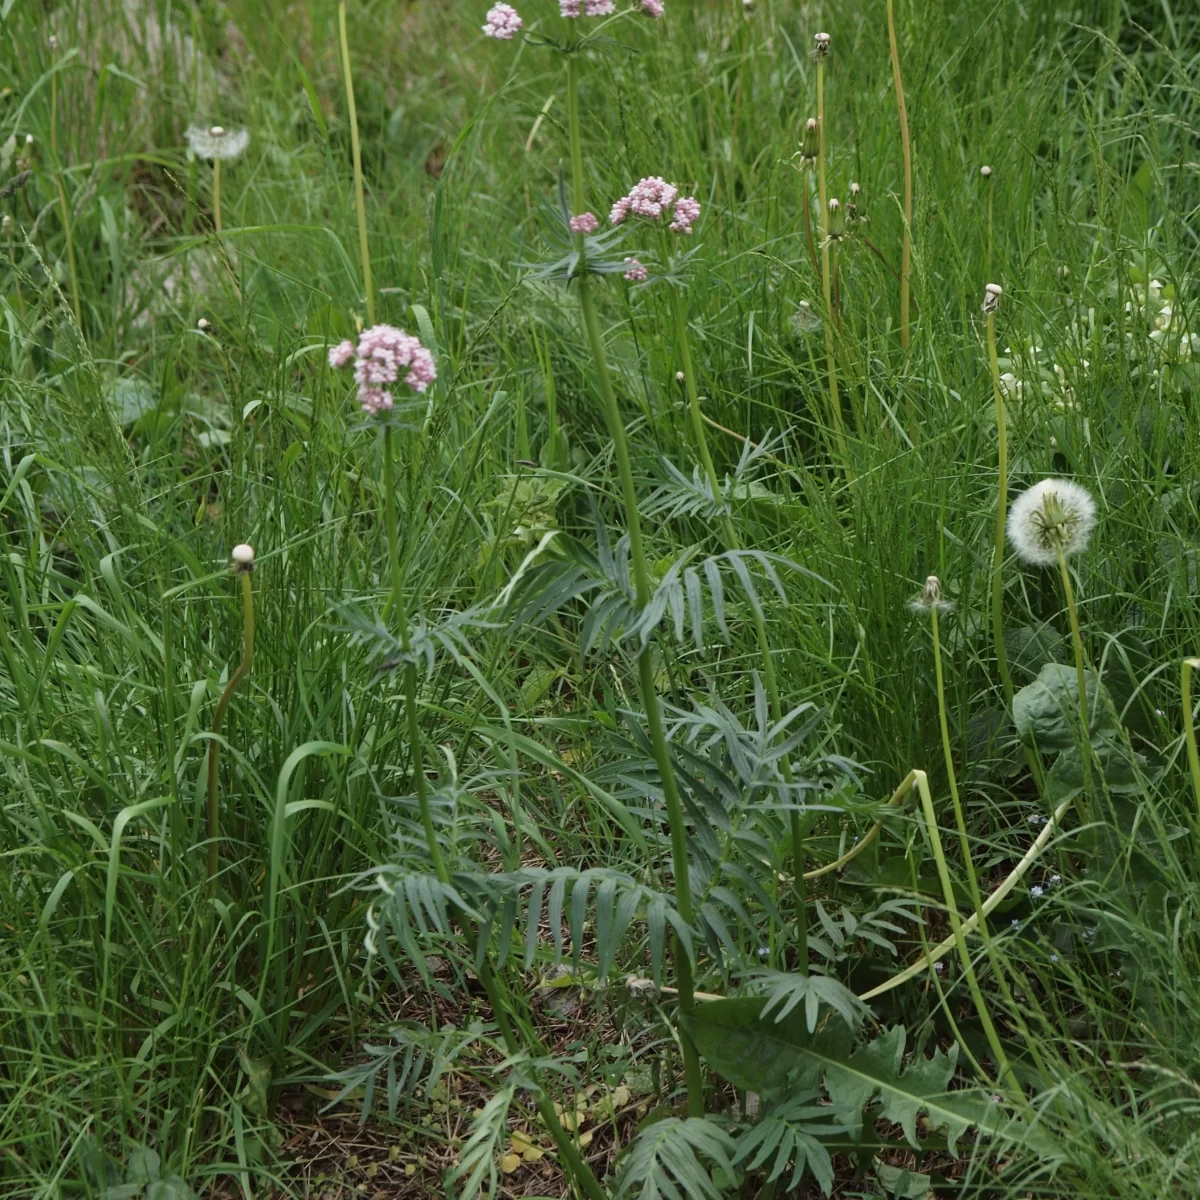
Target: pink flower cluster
(653,8)
(585,223)
(382,353)
(586,8)
(652,198)
(635,272)
(503,22)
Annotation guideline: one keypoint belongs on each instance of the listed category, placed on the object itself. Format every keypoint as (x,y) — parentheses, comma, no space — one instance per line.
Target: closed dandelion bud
(854,208)
(202,324)
(822,43)
(837,220)
(991,298)
(243,557)
(6,223)
(52,41)
(985,171)
(1052,516)
(810,144)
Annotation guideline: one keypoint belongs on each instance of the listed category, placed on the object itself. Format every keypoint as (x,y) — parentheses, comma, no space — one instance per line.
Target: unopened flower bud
(680,378)
(29,139)
(810,145)
(6,223)
(991,298)
(243,557)
(822,42)
(986,171)
(202,324)
(837,220)
(52,41)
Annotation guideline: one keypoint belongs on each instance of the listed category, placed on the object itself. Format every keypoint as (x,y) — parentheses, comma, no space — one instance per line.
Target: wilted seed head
(991,298)
(985,171)
(810,144)
(1052,516)
(216,141)
(243,557)
(931,599)
(822,43)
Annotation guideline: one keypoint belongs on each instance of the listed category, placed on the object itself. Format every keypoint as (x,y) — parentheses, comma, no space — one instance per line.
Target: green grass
(142,1009)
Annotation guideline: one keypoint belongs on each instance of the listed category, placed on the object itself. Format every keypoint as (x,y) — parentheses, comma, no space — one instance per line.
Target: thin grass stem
(360,203)
(906,150)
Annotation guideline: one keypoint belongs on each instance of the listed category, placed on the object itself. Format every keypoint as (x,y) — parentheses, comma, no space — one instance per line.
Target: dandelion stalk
(986,172)
(1189,729)
(990,304)
(1048,524)
(1004,1068)
(642,589)
(835,407)
(356,154)
(243,558)
(906,149)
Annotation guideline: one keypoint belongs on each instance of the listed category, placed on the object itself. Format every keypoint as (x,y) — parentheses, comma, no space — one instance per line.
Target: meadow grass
(166,395)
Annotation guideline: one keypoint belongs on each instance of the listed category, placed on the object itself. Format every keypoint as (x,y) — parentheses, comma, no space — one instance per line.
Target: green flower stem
(641,583)
(835,405)
(808,234)
(1004,1068)
(990,193)
(397,608)
(1080,682)
(1001,516)
(214,745)
(906,149)
(216,195)
(1189,729)
(356,154)
(729,535)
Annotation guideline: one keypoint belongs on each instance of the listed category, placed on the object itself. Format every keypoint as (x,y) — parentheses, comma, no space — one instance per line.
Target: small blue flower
(1036,891)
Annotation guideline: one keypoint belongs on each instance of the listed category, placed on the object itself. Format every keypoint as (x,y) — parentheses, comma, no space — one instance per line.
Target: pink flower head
(341,354)
(687,210)
(584,223)
(503,22)
(383,352)
(649,198)
(570,8)
(635,272)
(653,8)
(598,8)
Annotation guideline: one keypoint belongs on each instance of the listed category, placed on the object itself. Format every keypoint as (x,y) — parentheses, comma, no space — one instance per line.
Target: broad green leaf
(1046,711)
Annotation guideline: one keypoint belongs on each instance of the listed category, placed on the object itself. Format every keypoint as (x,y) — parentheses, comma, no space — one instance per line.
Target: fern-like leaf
(789,1133)
(669,1161)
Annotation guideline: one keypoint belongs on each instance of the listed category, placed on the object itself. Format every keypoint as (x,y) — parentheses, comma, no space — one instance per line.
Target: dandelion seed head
(217,142)
(931,598)
(635,272)
(243,556)
(585,223)
(1053,515)
(202,324)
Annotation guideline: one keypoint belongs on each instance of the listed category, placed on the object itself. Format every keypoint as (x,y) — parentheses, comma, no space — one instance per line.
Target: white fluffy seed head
(1052,515)
(243,556)
(217,141)
(986,171)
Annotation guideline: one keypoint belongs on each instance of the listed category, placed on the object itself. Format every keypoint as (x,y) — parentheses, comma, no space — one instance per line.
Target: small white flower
(1053,515)
(217,142)
(1036,891)
(1054,958)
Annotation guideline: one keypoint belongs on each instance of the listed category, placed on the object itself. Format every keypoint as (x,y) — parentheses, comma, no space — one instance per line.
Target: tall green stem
(217,195)
(641,583)
(1003,1066)
(835,405)
(214,746)
(1085,743)
(397,608)
(1001,515)
(906,148)
(1189,729)
(356,153)
(729,535)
